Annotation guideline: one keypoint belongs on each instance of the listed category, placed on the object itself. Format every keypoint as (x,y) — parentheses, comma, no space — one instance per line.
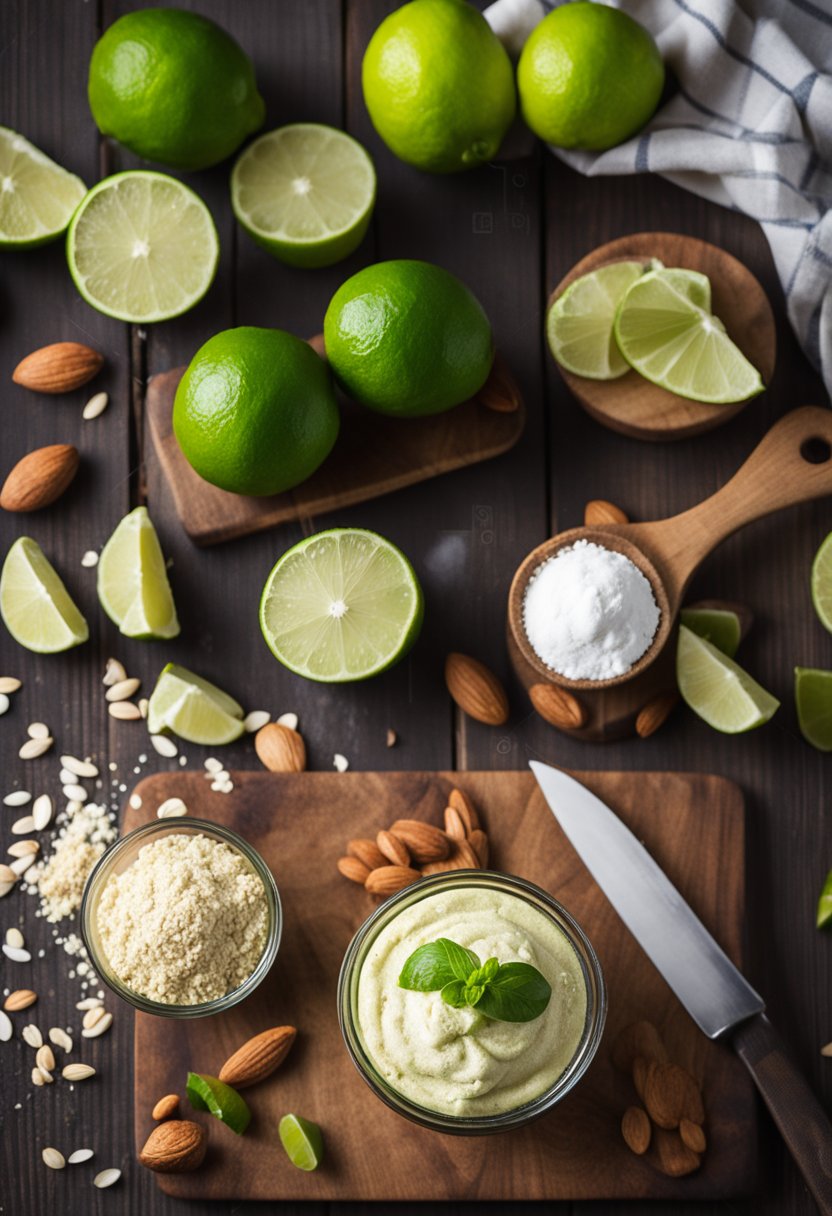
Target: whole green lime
(589,77)
(439,85)
(173,87)
(255,412)
(408,338)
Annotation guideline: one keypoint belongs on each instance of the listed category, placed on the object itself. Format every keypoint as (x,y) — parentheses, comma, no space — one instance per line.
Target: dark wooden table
(510,231)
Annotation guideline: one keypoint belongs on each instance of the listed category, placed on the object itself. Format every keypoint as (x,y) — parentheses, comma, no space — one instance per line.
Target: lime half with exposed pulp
(37,196)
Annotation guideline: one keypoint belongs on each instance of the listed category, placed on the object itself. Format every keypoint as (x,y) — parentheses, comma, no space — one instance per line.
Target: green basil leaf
(454,994)
(436,964)
(517,993)
(473,993)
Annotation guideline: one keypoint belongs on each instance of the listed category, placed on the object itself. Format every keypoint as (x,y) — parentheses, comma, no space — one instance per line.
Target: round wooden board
(631,404)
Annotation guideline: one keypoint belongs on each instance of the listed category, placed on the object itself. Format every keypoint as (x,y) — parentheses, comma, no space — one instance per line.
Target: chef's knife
(718,998)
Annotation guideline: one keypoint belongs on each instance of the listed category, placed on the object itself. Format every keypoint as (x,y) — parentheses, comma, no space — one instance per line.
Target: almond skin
(389,879)
(476,690)
(259,1057)
(394,850)
(280,749)
(58,368)
(693,1137)
(425,842)
(655,713)
(557,706)
(176,1146)
(599,511)
(671,1095)
(368,852)
(165,1108)
(353,869)
(460,801)
(635,1128)
(39,478)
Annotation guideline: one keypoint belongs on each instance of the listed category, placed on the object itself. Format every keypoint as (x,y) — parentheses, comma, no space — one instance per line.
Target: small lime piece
(824,913)
(821,583)
(133,587)
(305,193)
(342,605)
(37,196)
(193,708)
(35,605)
(213,1095)
(717,689)
(579,324)
(302,1140)
(142,247)
(813,698)
(678,344)
(719,626)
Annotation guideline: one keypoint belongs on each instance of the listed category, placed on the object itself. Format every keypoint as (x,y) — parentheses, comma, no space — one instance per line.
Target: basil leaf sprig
(507,992)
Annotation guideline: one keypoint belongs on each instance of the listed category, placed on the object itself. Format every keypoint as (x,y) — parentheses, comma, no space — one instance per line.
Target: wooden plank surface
(511,231)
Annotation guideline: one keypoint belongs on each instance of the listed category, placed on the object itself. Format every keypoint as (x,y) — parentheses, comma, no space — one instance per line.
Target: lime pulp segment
(142,247)
(717,625)
(133,586)
(36,606)
(821,584)
(580,322)
(37,196)
(813,699)
(193,708)
(717,689)
(302,1141)
(342,605)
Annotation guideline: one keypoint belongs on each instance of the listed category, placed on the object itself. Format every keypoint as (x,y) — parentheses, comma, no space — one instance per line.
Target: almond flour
(186,923)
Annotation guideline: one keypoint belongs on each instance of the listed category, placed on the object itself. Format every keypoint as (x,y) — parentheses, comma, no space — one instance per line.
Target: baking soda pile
(589,612)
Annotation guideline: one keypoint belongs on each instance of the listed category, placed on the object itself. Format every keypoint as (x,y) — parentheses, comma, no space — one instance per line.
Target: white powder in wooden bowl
(186,922)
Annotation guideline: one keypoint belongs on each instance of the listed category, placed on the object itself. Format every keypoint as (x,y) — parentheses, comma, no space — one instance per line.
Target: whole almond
(655,713)
(58,368)
(672,1155)
(465,856)
(454,827)
(671,1095)
(460,801)
(259,1057)
(21,998)
(39,478)
(642,1069)
(174,1147)
(598,511)
(368,852)
(280,749)
(557,706)
(425,842)
(635,1128)
(393,849)
(165,1108)
(638,1039)
(476,690)
(479,843)
(440,867)
(693,1136)
(389,879)
(353,869)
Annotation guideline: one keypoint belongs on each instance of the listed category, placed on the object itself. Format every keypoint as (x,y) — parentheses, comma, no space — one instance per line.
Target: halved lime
(193,708)
(142,247)
(821,583)
(813,698)
(717,625)
(213,1095)
(133,586)
(302,1140)
(37,197)
(342,605)
(824,912)
(579,324)
(305,192)
(717,689)
(678,344)
(36,607)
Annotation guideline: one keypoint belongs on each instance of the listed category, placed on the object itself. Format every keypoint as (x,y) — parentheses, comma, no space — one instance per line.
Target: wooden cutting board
(693,826)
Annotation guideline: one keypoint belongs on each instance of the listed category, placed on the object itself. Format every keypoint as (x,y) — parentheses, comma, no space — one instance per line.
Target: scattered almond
(392,737)
(259,1057)
(80,1155)
(23,848)
(40,478)
(100,1027)
(60,1038)
(670,1095)
(599,512)
(655,713)
(454,827)
(126,711)
(635,1128)
(280,749)
(58,368)
(476,689)
(9,684)
(165,1108)
(393,849)
(368,852)
(424,842)
(176,1146)
(45,1058)
(461,803)
(558,706)
(387,880)
(106,1178)
(7,874)
(122,689)
(54,1159)
(96,406)
(21,998)
(33,748)
(353,869)
(92,1016)
(693,1136)
(77,1072)
(32,1036)
(114,672)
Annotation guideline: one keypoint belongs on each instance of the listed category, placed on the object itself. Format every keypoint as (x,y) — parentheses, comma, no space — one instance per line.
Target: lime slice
(678,344)
(821,583)
(37,197)
(824,912)
(579,324)
(142,247)
(717,625)
(717,689)
(302,1140)
(133,586)
(305,192)
(193,708)
(813,698)
(342,605)
(211,1094)
(36,607)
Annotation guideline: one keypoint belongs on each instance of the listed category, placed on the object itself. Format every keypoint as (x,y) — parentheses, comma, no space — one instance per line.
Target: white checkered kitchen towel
(749,127)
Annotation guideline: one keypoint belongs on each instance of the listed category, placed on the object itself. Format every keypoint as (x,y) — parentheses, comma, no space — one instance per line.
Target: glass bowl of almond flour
(182,920)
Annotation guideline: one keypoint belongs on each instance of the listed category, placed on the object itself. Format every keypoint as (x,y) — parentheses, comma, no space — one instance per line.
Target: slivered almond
(92,1016)
(463,805)
(45,1058)
(32,1036)
(368,852)
(58,368)
(424,842)
(393,849)
(60,1038)
(387,880)
(114,673)
(259,1057)
(100,1027)
(353,869)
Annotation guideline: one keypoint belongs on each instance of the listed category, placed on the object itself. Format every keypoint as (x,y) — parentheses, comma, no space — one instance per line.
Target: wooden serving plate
(373,455)
(631,404)
(693,825)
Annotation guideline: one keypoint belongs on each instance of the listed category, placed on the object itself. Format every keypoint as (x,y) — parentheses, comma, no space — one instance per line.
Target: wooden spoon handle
(791,464)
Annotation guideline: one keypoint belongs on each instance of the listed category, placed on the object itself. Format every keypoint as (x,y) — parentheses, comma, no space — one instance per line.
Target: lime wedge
(579,324)
(36,607)
(821,583)
(813,698)
(133,586)
(302,1140)
(213,1095)
(342,605)
(678,344)
(142,247)
(717,689)
(717,625)
(305,192)
(824,912)
(37,197)
(193,708)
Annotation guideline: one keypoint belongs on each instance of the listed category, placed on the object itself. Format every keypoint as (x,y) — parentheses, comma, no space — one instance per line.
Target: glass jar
(120,856)
(350,979)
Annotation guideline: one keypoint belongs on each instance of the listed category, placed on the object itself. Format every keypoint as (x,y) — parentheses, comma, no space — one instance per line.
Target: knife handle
(800,1118)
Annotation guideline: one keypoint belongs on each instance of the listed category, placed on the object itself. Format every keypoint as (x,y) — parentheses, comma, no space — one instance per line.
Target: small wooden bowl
(631,404)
